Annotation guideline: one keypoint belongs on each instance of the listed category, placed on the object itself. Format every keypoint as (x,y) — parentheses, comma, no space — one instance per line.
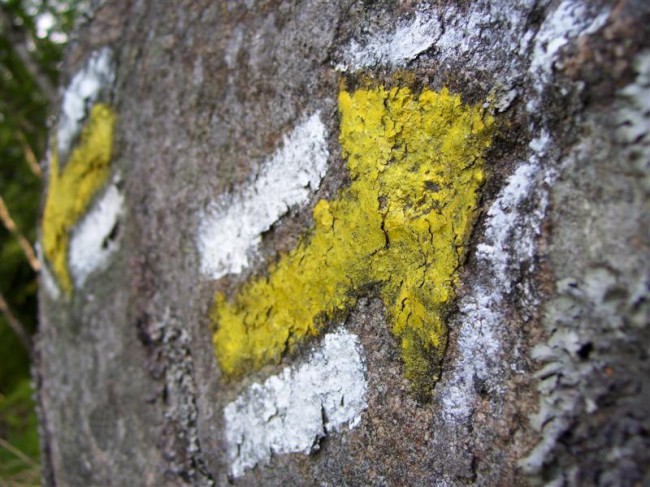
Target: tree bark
(231,155)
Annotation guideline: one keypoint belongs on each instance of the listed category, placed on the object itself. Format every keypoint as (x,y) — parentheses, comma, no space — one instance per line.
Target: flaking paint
(292,411)
(71,190)
(415,162)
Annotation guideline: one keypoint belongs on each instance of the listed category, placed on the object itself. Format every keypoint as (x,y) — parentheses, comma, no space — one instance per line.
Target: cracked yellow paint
(401,227)
(71,190)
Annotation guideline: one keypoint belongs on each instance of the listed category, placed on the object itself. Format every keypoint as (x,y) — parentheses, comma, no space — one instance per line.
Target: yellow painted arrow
(70,191)
(415,163)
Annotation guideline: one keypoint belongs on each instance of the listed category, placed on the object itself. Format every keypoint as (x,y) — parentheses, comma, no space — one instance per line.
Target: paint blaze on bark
(415,162)
(70,191)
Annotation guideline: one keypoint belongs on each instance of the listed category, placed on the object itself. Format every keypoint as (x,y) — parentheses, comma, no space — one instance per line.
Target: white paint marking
(449,33)
(393,49)
(81,94)
(231,228)
(90,242)
(509,241)
(293,410)
(570,20)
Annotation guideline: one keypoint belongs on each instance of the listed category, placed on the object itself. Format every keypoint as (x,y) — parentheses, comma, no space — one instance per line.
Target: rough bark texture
(546,376)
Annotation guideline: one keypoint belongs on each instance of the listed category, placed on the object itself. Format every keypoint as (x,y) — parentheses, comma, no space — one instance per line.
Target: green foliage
(18,436)
(32,37)
(23,112)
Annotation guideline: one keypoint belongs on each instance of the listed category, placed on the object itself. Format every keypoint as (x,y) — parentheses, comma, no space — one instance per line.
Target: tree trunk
(349,243)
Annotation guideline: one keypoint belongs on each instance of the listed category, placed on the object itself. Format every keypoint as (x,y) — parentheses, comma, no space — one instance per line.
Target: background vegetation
(33,34)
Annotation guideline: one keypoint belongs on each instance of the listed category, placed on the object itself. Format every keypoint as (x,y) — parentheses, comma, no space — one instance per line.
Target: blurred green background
(33,35)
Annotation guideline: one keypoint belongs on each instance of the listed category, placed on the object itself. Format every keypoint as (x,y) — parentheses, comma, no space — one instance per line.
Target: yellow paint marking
(415,163)
(70,191)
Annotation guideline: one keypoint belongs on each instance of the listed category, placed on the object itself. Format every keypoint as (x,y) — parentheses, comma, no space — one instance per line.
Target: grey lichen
(592,410)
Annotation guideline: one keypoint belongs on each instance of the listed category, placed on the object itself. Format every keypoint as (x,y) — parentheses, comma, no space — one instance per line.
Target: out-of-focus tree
(32,36)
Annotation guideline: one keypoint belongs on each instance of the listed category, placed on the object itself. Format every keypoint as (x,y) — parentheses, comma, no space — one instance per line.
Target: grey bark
(129,388)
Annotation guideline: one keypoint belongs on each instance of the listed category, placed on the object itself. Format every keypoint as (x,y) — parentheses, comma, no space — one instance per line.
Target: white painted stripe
(453,34)
(393,49)
(231,228)
(509,241)
(570,20)
(90,245)
(293,410)
(81,94)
